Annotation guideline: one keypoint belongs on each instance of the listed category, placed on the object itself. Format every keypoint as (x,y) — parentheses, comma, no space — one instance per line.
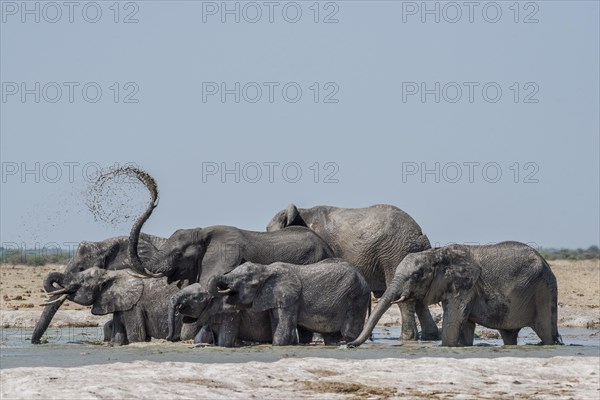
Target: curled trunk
(50,279)
(382,306)
(134,236)
(214,284)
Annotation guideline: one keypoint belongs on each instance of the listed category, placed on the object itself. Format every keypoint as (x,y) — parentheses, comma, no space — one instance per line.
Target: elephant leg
(429,330)
(283,325)
(409,325)
(332,339)
(542,325)
(229,330)
(108,330)
(467,333)
(304,336)
(190,330)
(119,335)
(135,325)
(353,325)
(205,335)
(509,336)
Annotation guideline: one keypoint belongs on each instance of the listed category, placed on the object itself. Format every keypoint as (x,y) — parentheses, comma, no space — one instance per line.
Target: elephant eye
(417,275)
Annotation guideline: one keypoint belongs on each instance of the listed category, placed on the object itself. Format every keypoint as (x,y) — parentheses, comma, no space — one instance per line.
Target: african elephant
(506,286)
(106,254)
(225,323)
(139,304)
(329,297)
(373,239)
(195,255)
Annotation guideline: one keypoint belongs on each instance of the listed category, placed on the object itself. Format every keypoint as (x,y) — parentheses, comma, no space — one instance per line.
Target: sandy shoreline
(322,378)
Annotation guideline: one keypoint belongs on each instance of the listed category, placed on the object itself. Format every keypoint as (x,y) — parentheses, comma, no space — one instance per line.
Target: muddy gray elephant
(106,254)
(196,255)
(506,286)
(329,297)
(140,304)
(373,239)
(225,325)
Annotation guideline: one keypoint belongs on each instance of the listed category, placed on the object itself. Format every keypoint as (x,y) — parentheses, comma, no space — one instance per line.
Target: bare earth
(476,376)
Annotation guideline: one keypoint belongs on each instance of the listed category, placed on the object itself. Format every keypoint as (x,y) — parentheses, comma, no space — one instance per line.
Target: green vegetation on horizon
(45,256)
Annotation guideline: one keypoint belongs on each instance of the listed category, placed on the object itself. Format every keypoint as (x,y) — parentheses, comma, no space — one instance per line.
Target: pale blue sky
(373,137)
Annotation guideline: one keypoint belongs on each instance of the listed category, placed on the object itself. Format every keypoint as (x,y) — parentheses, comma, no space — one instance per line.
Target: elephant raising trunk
(134,236)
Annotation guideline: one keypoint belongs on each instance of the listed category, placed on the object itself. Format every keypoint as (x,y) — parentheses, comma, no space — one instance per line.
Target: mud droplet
(120,194)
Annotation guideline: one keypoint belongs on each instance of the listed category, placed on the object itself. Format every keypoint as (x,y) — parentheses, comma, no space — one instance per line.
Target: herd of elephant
(312,271)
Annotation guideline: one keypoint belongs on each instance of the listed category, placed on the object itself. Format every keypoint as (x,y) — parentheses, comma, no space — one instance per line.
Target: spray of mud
(115,198)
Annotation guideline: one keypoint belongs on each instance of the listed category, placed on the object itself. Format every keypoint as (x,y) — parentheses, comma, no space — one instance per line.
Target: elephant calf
(220,320)
(506,286)
(139,306)
(329,297)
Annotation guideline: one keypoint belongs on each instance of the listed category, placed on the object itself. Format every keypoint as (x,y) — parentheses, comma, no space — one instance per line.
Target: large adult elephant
(110,254)
(506,286)
(196,255)
(375,240)
(140,304)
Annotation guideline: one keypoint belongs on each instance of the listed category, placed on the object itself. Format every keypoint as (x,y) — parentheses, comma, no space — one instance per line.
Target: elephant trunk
(172,318)
(45,319)
(382,306)
(215,285)
(134,236)
(50,279)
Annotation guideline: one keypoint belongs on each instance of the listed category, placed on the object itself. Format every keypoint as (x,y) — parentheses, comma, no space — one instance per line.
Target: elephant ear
(280,290)
(120,292)
(146,248)
(462,275)
(291,213)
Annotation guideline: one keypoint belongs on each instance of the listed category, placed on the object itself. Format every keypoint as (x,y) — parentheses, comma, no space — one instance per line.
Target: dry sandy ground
(575,376)
(323,378)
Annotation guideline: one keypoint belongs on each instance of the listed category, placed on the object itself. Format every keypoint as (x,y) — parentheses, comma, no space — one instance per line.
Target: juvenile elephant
(506,286)
(139,304)
(226,326)
(374,240)
(329,297)
(108,254)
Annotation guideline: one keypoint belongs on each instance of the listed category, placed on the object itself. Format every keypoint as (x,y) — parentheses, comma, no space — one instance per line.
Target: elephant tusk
(60,299)
(152,274)
(225,291)
(59,291)
(136,275)
(400,300)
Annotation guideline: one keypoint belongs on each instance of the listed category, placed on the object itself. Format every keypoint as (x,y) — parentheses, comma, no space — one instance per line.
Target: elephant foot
(431,335)
(409,334)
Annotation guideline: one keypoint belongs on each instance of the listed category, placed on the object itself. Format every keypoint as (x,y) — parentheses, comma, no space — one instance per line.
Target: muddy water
(72,347)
